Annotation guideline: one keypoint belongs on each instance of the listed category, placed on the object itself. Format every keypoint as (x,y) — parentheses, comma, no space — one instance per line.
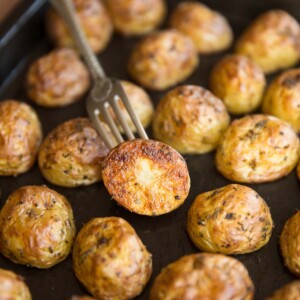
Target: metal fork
(106,92)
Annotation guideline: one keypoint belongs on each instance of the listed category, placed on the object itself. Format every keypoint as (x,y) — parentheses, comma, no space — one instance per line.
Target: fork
(106,92)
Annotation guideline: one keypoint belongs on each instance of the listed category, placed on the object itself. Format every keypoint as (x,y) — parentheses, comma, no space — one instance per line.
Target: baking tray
(22,39)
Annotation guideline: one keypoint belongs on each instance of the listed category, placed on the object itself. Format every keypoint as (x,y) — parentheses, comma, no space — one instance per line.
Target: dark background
(22,39)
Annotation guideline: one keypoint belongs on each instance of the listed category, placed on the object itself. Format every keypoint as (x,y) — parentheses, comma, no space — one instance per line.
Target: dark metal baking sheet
(164,236)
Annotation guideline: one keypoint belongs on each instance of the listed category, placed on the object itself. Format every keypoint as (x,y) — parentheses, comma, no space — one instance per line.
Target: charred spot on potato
(198,263)
(291,81)
(229,216)
(261,124)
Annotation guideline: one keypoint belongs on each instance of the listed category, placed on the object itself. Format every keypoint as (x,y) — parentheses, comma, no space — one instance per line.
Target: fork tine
(123,97)
(117,110)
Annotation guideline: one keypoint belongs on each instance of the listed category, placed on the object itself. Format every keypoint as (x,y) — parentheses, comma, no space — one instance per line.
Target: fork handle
(67,11)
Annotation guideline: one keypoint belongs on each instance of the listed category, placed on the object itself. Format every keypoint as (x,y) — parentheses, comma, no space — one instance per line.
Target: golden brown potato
(208,29)
(282,98)
(272,41)
(94,19)
(257,148)
(231,220)
(57,79)
(146,177)
(71,155)
(110,260)
(12,286)
(141,104)
(239,82)
(20,137)
(203,276)
(290,243)
(190,119)
(36,227)
(136,17)
(290,291)
(163,59)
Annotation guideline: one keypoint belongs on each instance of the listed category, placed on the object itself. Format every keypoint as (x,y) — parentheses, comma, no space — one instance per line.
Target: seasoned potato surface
(208,29)
(110,260)
(163,59)
(190,119)
(282,98)
(36,227)
(257,148)
(203,276)
(146,177)
(94,19)
(272,41)
(12,286)
(136,17)
(20,137)
(231,220)
(290,291)
(57,79)
(239,82)
(72,154)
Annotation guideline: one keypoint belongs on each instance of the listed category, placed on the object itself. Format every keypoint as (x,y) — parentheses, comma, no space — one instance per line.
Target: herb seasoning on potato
(229,220)
(36,227)
(146,177)
(20,137)
(203,276)
(110,260)
(257,148)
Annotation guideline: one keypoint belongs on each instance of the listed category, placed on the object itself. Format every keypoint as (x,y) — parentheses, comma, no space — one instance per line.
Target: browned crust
(36,227)
(146,177)
(72,154)
(110,260)
(20,137)
(203,276)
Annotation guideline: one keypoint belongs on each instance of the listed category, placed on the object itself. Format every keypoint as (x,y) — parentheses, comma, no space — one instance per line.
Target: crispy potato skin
(229,220)
(71,155)
(136,17)
(36,227)
(282,98)
(163,59)
(272,41)
(239,82)
(110,260)
(257,148)
(94,19)
(290,291)
(190,119)
(208,29)
(13,287)
(290,244)
(203,276)
(146,177)
(20,137)
(57,79)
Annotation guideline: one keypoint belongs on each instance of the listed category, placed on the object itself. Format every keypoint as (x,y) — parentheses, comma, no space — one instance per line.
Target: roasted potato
(257,148)
(229,220)
(36,227)
(110,260)
(272,41)
(290,291)
(208,29)
(203,276)
(13,287)
(163,59)
(71,155)
(290,244)
(136,17)
(282,98)
(20,137)
(94,19)
(190,119)
(57,79)
(239,82)
(146,177)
